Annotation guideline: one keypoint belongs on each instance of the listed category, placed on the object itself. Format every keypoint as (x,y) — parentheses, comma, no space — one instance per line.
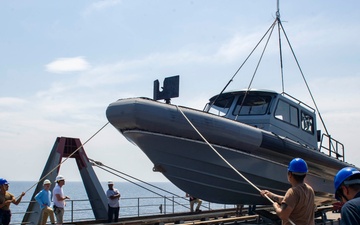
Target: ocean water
(136,199)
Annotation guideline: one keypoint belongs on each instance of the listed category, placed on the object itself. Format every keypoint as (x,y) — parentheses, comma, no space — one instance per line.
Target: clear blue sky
(63,62)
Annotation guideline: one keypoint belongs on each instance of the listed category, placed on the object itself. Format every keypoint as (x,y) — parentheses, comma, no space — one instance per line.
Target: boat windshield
(252,105)
(221,106)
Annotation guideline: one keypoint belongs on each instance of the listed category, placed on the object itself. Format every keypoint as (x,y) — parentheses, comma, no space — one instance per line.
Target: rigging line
(42,178)
(101,164)
(255,71)
(303,76)
(280,55)
(107,170)
(261,56)
(237,71)
(229,164)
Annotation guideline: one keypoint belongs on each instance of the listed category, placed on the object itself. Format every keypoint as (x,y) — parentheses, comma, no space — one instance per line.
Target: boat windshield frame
(222,105)
(255,103)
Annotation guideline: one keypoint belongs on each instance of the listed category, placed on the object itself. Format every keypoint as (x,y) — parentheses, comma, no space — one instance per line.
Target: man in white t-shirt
(59,199)
(113,196)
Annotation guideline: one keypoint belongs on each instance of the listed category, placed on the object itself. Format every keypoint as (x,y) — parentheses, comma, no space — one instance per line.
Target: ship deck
(225,216)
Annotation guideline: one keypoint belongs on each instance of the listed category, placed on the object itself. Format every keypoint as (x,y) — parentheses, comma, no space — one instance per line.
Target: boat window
(287,113)
(222,105)
(307,122)
(252,105)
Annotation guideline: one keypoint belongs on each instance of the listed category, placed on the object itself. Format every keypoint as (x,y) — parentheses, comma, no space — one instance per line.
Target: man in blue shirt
(44,200)
(347,190)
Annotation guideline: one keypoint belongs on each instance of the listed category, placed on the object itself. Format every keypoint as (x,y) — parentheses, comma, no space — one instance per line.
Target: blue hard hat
(298,166)
(3,181)
(343,175)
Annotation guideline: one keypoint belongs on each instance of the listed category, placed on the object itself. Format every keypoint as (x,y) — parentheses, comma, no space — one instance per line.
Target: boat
(257,131)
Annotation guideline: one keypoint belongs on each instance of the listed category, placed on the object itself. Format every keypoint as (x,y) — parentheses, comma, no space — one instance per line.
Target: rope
(101,165)
(229,164)
(42,178)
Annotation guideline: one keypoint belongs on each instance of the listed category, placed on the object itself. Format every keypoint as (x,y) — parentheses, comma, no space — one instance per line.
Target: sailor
(192,201)
(347,190)
(6,198)
(297,206)
(44,200)
(59,199)
(113,196)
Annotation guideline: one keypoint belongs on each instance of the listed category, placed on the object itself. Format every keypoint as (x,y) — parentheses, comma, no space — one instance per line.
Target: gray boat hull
(176,150)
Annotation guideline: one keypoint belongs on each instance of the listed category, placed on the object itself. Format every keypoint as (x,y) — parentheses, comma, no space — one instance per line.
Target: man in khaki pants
(44,200)
(192,201)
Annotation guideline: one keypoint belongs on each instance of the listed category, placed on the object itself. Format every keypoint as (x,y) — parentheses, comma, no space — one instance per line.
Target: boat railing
(332,147)
(298,101)
(80,209)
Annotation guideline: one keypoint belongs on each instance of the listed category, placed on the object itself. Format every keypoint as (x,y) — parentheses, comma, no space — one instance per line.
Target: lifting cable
(229,164)
(107,169)
(280,27)
(280,51)
(270,29)
(237,71)
(303,76)
(42,178)
(256,68)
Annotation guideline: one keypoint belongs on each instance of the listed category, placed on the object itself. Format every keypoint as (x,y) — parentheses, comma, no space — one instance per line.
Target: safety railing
(332,147)
(80,210)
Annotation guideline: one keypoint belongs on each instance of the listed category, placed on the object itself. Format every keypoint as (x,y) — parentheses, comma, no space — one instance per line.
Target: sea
(137,199)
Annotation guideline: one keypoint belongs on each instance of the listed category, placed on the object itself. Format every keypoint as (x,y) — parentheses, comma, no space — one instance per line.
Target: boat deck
(175,218)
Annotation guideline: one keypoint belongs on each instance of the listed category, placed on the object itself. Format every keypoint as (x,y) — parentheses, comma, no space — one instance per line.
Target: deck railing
(332,147)
(80,209)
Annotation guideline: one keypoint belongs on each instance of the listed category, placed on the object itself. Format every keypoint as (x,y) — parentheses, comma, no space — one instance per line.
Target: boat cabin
(280,114)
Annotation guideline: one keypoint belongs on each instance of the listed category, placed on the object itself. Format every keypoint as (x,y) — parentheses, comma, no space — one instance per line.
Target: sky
(63,62)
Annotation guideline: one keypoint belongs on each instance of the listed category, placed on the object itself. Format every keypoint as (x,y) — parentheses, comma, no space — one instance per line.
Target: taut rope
(229,164)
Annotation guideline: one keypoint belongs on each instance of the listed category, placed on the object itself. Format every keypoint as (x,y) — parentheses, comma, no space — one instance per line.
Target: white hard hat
(47,182)
(59,178)
(110,182)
